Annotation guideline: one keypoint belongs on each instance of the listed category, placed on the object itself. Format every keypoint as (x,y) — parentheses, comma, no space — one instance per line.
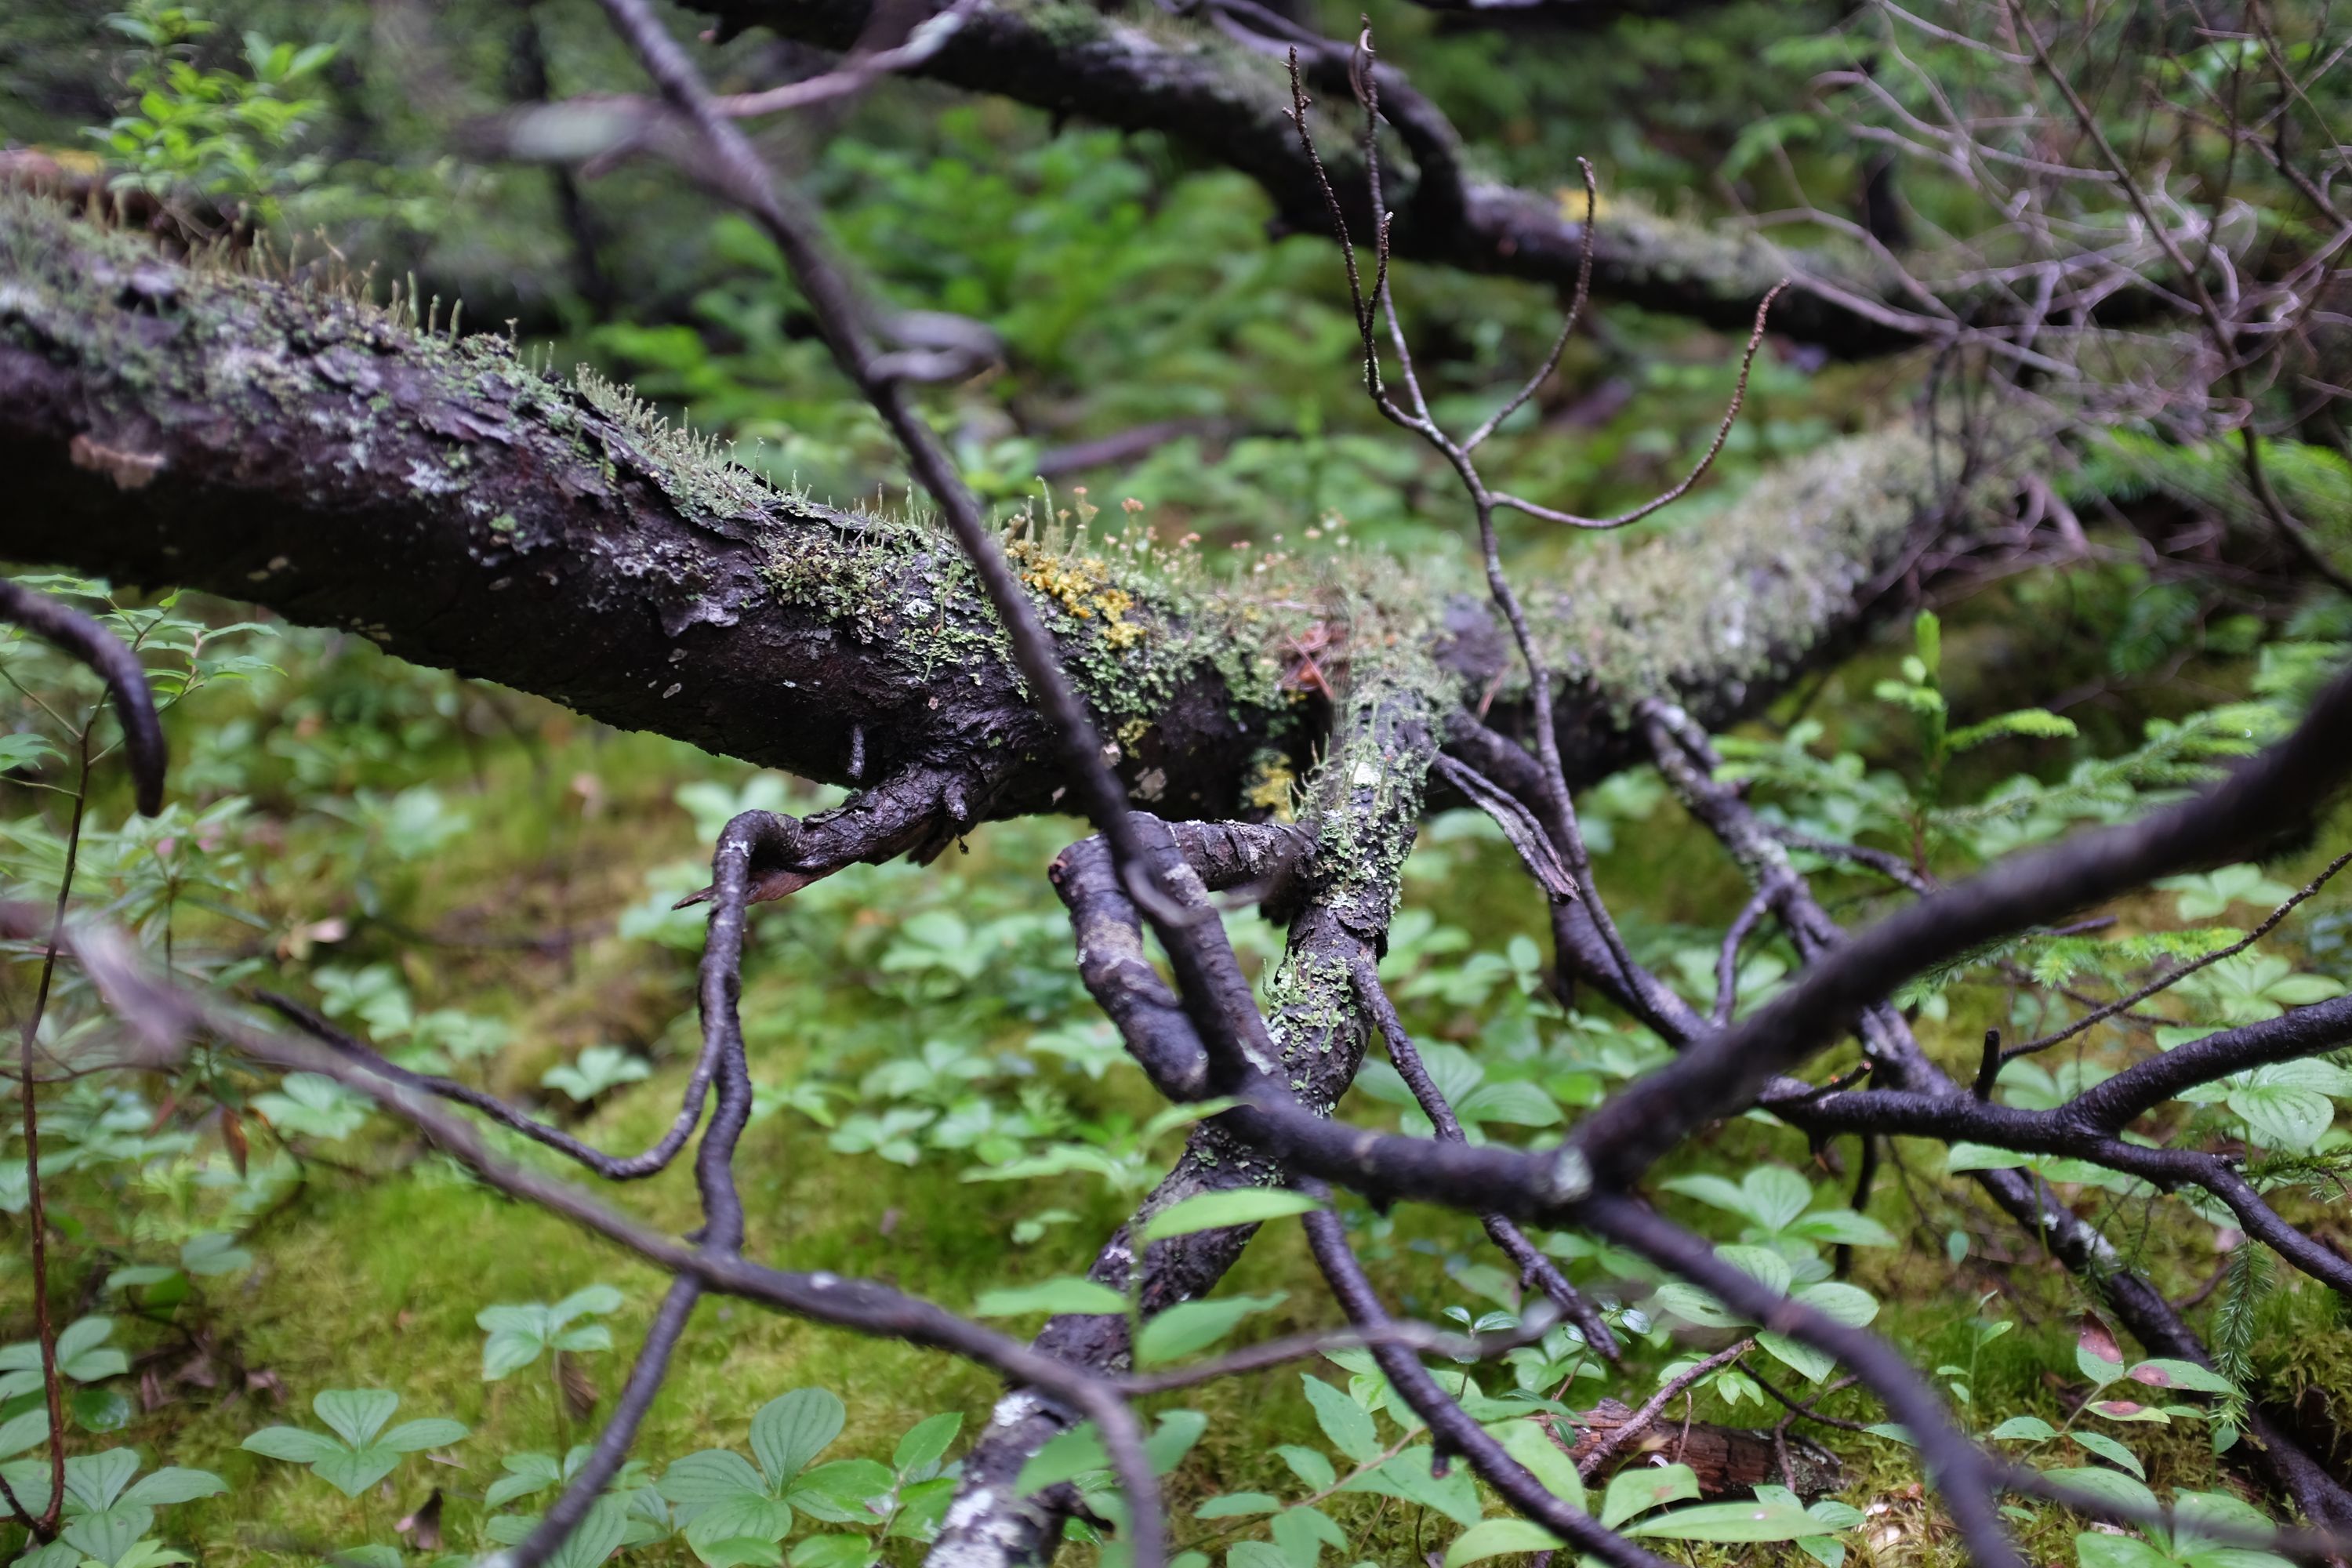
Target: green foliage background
(481,883)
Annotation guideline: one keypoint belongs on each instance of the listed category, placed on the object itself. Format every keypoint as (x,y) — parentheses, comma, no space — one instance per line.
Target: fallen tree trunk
(320,455)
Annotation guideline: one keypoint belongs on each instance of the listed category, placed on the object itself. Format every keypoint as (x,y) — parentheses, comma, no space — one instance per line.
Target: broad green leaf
(1409,1476)
(1840,1302)
(1072,1454)
(2127,1410)
(353,1470)
(596,1538)
(1172,1438)
(291,1443)
(2282,1116)
(792,1428)
(1309,1465)
(2025,1428)
(1499,1538)
(100,1409)
(926,1441)
(2192,1510)
(143,1554)
(1191,1325)
(1347,1423)
(1532,1447)
(2096,1549)
(520,1481)
(214,1254)
(1762,1264)
(1515,1101)
(922,1504)
(2205,896)
(1694,1305)
(838,1492)
(1642,1487)
(79,1339)
(510,1351)
(174,1484)
(356,1414)
(30,1480)
(1302,1533)
(2107,1448)
(412,1437)
(19,749)
(19,1433)
(364,1557)
(708,1476)
(1812,1364)
(1842,1227)
(1775,1195)
(96,1480)
(834,1551)
(2166,1374)
(525,1319)
(1215,1211)
(1734,1521)
(1236,1505)
(741,1516)
(1826,1549)
(1068,1295)
(592,1301)
(1714,1190)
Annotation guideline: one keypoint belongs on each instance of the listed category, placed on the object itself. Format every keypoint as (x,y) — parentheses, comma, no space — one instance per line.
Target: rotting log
(320,455)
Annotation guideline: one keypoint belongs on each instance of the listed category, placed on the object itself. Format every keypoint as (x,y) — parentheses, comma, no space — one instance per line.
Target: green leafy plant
(595,1071)
(109,1508)
(208,130)
(519,1334)
(734,1510)
(1777,1206)
(84,1358)
(1846,1303)
(2098,1358)
(361,1452)
(1477,1094)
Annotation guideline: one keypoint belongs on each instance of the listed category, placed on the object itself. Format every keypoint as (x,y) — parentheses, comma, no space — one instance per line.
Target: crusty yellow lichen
(1082,585)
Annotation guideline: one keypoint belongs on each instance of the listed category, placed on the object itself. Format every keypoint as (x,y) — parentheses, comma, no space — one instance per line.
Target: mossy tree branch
(327,458)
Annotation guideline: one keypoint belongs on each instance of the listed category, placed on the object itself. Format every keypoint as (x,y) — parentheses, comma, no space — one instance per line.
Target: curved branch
(2114,1105)
(1221,92)
(125,678)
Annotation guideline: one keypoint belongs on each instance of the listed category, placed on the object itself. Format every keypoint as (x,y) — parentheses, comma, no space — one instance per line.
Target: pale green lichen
(1363,804)
(1735,599)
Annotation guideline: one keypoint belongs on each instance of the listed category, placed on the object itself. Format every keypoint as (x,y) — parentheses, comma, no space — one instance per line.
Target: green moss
(1065,26)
